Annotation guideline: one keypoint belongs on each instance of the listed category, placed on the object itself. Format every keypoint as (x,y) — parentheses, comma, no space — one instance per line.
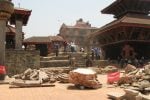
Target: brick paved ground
(59,92)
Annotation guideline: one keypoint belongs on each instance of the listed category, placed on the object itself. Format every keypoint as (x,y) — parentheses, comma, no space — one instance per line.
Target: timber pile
(83,77)
(136,80)
(36,78)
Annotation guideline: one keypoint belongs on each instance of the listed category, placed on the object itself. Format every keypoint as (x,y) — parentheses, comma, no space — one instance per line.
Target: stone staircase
(79,59)
(52,61)
(62,60)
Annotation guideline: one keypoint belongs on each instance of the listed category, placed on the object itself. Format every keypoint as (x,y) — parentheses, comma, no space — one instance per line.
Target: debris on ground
(137,79)
(34,77)
(109,69)
(84,77)
(6,80)
(28,83)
(116,96)
(128,95)
(129,68)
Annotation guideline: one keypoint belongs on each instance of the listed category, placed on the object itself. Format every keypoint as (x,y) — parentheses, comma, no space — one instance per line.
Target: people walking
(56,46)
(92,53)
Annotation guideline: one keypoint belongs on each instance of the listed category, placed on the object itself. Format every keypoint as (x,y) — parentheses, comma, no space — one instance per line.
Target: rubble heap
(109,69)
(84,77)
(42,76)
(128,95)
(104,70)
(136,79)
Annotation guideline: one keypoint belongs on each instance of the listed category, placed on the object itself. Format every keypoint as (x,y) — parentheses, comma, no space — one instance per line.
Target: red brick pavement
(59,92)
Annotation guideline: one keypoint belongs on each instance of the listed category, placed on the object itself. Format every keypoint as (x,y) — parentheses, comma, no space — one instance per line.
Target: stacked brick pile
(41,76)
(84,77)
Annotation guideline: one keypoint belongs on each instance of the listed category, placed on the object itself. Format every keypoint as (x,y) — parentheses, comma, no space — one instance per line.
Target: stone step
(81,60)
(79,66)
(81,63)
(54,58)
(54,63)
(60,53)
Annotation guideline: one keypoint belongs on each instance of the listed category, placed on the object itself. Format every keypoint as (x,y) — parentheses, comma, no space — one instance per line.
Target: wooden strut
(30,86)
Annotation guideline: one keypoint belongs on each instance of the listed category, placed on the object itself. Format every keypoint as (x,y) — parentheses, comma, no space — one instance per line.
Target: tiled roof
(24,13)
(145,20)
(38,39)
(43,39)
(79,27)
(23,9)
(56,38)
(128,19)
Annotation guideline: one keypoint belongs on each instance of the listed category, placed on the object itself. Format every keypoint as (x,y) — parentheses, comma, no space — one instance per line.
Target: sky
(48,15)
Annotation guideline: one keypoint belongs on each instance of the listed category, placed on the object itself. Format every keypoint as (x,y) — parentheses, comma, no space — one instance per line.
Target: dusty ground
(59,92)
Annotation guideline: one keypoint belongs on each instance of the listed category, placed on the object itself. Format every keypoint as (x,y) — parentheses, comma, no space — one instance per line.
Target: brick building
(45,44)
(77,33)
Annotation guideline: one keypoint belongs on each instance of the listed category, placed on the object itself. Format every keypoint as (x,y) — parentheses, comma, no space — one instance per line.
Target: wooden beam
(124,30)
(122,41)
(120,8)
(134,3)
(123,6)
(145,33)
(148,35)
(110,39)
(31,86)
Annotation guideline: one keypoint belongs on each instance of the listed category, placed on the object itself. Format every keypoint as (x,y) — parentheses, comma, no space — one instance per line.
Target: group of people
(95,52)
(136,62)
(72,47)
(56,46)
(130,56)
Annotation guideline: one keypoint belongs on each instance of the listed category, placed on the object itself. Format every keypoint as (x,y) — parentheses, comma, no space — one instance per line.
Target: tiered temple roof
(132,27)
(22,14)
(127,20)
(121,7)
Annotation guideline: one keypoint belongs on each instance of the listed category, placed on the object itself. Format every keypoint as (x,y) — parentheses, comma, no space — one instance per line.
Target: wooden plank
(28,83)
(4,82)
(30,86)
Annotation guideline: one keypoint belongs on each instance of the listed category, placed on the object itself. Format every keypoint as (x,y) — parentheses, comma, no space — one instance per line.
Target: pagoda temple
(128,36)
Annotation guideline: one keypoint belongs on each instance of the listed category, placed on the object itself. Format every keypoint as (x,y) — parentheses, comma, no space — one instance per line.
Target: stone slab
(116,95)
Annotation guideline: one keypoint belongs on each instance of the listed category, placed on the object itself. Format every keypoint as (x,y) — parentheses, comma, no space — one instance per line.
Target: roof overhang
(122,7)
(20,14)
(126,21)
(127,42)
